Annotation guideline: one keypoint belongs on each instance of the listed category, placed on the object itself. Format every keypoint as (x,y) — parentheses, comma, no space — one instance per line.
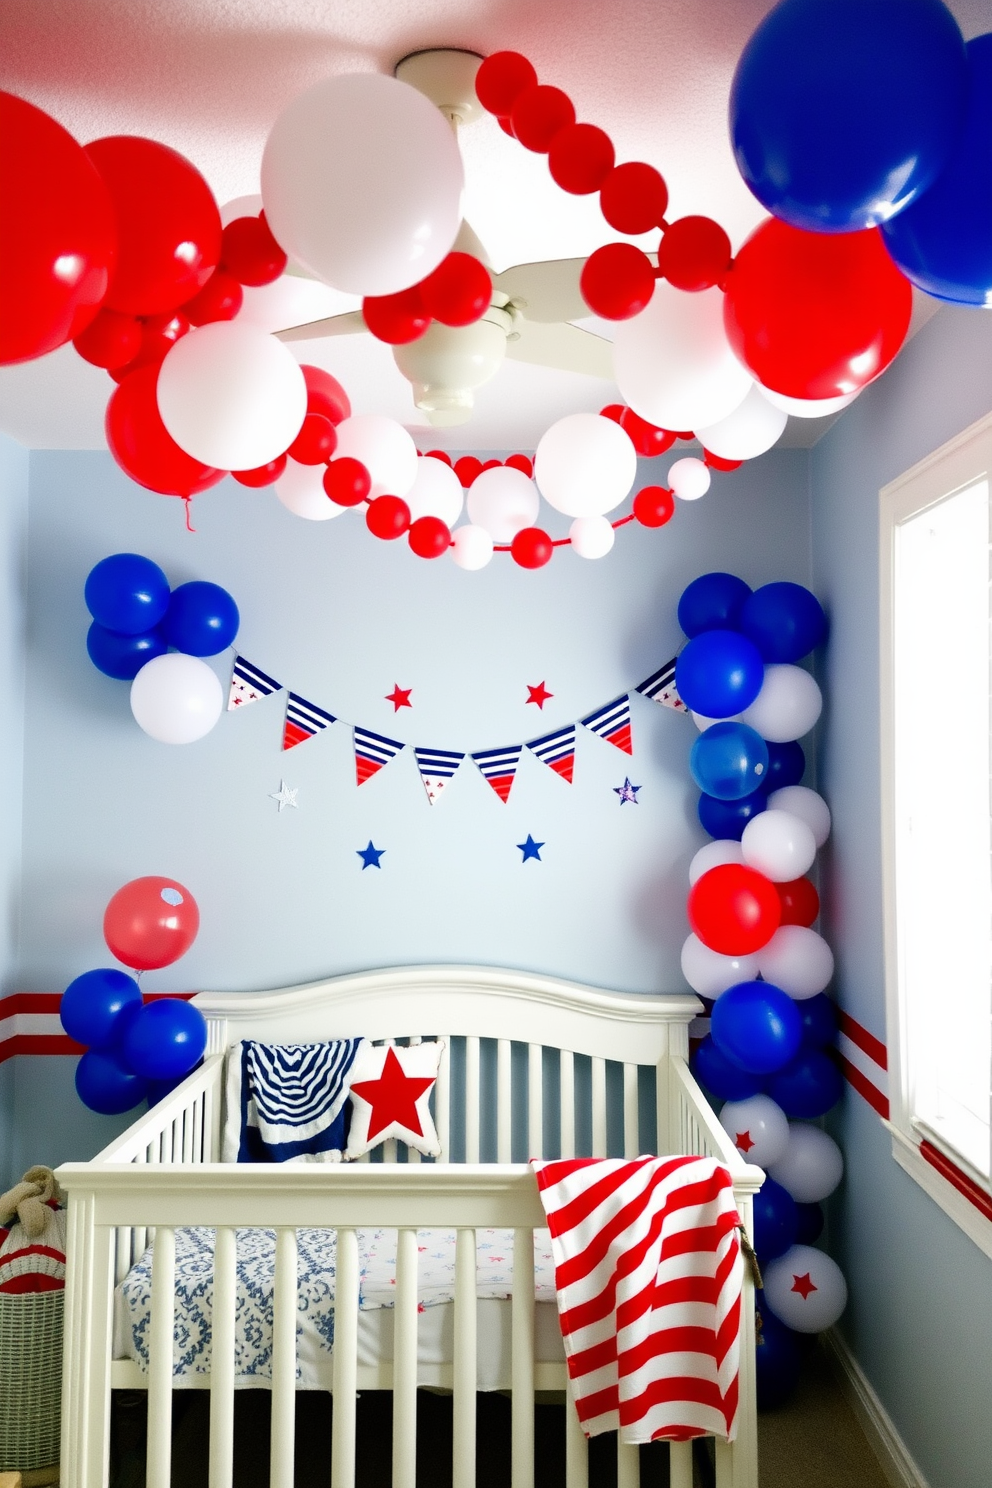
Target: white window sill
(965,1214)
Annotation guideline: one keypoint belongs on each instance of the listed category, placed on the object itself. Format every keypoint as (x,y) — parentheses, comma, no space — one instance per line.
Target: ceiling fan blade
(334,325)
(545,292)
(565,347)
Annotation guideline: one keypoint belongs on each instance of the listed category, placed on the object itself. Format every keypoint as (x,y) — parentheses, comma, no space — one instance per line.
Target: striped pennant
(248,684)
(499,766)
(303,720)
(660,687)
(372,751)
(557,750)
(612,723)
(436,768)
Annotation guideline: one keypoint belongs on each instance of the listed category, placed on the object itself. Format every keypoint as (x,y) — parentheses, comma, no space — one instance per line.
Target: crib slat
(576,1448)
(535,1100)
(680,1464)
(628,1466)
(389,1150)
(211,1127)
(343,1431)
(159,1470)
(504,1101)
(631,1132)
(222,1360)
(123,1241)
(522,1360)
(466,1344)
(187,1136)
(283,1362)
(442,1102)
(471,1100)
(198,1156)
(405,1362)
(567,1065)
(598,1107)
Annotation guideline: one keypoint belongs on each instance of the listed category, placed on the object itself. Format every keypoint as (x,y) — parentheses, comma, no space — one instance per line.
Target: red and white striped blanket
(648,1273)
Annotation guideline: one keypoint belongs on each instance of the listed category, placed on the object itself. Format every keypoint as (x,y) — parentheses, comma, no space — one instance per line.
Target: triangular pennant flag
(303,720)
(557,750)
(660,687)
(612,723)
(499,766)
(436,768)
(372,751)
(248,684)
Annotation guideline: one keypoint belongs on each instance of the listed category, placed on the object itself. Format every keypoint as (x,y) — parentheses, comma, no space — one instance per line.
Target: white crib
(163,1174)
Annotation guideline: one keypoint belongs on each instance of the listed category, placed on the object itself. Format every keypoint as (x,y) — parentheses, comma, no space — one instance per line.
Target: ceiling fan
(532,304)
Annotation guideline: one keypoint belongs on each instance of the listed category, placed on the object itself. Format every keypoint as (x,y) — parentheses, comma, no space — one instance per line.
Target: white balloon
(779,845)
(585,465)
(300,488)
(758,1128)
(673,362)
(689,478)
(709,973)
(805,1289)
(362,181)
(384,448)
(808,804)
(231,395)
(471,547)
(798,960)
(176,698)
(503,501)
(714,855)
(750,430)
(240,206)
(811,1166)
(436,492)
(809,407)
(787,706)
(703,723)
(592,537)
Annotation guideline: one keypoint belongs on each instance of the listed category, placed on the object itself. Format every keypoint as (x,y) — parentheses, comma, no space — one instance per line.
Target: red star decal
(538,695)
(399,697)
(393,1097)
(743,1142)
(803,1285)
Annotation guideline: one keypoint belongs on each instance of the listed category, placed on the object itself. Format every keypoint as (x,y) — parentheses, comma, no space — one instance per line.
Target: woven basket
(30,1379)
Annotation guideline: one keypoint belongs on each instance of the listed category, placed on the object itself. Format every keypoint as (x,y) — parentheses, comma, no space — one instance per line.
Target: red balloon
(694,253)
(523,463)
(159,334)
(397,318)
(168,224)
(459,291)
(734,910)
(441,455)
(429,537)
(262,475)
(800,902)
(467,468)
(614,411)
(815,315)
(347,481)
(580,158)
(111,340)
(717,462)
(617,281)
(250,253)
(654,506)
(144,448)
(58,241)
(387,517)
(501,79)
(506,126)
(634,198)
(220,299)
(538,114)
(531,548)
(647,439)
(151,922)
(316,441)
(325,394)
(489,465)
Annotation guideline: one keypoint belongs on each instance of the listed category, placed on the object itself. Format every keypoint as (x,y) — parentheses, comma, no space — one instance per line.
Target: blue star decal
(530,849)
(627,792)
(370,856)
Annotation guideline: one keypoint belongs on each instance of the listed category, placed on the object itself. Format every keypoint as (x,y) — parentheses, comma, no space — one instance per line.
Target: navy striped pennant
(660,687)
(248,684)
(612,723)
(557,750)
(499,766)
(436,768)
(372,751)
(303,720)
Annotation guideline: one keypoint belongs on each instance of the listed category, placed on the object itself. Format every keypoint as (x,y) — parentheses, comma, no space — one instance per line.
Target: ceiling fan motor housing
(447,363)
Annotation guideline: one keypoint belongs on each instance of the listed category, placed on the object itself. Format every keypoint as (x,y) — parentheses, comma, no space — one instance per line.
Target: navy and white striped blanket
(287,1101)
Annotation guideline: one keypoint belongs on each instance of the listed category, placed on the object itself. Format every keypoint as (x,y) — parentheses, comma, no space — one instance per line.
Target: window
(936,699)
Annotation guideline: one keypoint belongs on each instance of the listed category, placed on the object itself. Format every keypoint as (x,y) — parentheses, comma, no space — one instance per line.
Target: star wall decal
(285,796)
(530,849)
(803,1285)
(370,855)
(538,695)
(627,792)
(393,1097)
(399,697)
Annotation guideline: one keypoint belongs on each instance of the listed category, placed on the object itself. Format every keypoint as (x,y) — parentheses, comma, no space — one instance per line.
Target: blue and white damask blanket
(287,1102)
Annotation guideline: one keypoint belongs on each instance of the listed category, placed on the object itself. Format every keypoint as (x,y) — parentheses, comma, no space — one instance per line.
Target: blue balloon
(103,1084)
(727,819)
(756,1026)
(719,673)
(808,1086)
(712,602)
(776,1222)
(721,1078)
(157,1090)
(943,242)
(786,766)
(123,656)
(202,619)
(810,1227)
(819,1020)
(166,1039)
(729,761)
(778,1358)
(93,1005)
(842,112)
(785,621)
(127,593)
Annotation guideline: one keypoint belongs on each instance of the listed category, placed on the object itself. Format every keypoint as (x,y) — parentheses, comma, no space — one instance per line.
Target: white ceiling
(210,76)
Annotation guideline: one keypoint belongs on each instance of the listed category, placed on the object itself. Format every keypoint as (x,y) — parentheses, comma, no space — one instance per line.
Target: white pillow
(390,1096)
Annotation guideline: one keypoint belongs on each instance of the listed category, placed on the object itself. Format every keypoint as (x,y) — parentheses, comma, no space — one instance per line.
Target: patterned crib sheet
(315,1289)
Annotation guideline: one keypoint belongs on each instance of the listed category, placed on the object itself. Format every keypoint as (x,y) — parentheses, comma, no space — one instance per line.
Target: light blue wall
(920,1318)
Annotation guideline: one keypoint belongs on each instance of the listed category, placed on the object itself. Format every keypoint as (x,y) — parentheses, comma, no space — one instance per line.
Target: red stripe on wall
(49,1043)
(964,1185)
(865,1041)
(865,1088)
(30,1002)
(39,1043)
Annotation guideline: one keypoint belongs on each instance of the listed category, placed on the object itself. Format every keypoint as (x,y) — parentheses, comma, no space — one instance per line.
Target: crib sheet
(315,1304)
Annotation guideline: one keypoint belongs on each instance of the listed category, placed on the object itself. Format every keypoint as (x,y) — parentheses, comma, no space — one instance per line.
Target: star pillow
(390,1095)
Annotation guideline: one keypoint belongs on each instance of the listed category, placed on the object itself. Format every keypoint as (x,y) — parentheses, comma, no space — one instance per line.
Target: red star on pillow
(743,1142)
(803,1285)
(393,1097)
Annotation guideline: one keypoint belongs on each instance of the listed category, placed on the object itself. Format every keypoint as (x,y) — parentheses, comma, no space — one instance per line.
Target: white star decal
(285,796)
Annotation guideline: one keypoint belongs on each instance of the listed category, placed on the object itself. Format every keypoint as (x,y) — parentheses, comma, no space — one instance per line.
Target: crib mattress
(315,1305)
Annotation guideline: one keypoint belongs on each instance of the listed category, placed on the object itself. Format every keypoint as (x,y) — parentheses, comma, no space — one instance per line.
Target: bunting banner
(660,687)
(436,768)
(499,767)
(303,720)
(372,751)
(557,750)
(612,723)
(248,684)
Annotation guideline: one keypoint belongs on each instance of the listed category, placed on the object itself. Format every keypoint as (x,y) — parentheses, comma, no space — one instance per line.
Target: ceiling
(209,78)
